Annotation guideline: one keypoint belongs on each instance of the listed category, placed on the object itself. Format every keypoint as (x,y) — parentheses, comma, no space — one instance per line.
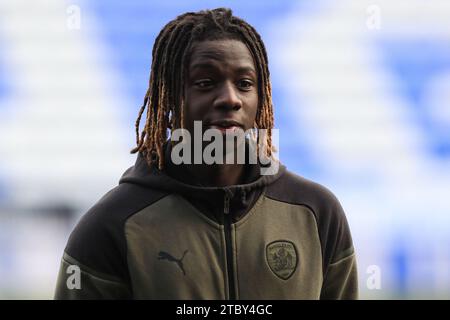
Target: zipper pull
(226,202)
(243,196)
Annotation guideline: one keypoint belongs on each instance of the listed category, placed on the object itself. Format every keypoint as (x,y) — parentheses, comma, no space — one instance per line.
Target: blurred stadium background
(362,101)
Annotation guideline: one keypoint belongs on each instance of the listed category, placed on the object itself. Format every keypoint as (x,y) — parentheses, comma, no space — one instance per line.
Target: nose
(228,98)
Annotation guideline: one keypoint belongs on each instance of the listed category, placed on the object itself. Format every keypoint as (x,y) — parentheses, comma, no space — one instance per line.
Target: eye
(245,84)
(204,83)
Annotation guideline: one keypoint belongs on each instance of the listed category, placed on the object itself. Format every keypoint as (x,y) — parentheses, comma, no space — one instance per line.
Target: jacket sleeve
(341,280)
(340,276)
(76,281)
(94,263)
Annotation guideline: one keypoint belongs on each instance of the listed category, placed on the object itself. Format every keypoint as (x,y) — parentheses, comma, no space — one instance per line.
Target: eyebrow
(207,65)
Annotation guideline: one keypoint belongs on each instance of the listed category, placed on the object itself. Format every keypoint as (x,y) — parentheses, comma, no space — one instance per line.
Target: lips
(225,125)
(225,129)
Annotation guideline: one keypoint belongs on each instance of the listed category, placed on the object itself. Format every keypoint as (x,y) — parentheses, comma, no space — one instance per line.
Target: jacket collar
(209,200)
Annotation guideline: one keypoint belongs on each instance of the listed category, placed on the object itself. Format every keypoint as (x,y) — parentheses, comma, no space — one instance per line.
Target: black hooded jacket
(160,235)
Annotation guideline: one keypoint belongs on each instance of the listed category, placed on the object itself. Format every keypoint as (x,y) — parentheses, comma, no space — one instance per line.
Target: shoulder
(294,189)
(332,225)
(120,202)
(98,240)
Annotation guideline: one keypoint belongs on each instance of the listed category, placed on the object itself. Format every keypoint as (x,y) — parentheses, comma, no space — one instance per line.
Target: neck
(217,175)
(208,175)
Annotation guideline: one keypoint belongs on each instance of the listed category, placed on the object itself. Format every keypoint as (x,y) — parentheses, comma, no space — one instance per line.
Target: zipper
(228,244)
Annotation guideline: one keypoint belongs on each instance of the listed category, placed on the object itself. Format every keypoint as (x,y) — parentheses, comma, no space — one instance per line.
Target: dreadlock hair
(165,95)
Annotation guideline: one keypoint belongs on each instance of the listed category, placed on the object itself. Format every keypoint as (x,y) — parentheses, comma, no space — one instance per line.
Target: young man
(205,230)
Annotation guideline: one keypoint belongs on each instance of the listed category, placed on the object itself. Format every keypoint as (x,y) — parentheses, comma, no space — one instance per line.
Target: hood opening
(209,197)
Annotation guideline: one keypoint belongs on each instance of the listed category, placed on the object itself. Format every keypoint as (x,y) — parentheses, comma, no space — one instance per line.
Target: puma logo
(167,256)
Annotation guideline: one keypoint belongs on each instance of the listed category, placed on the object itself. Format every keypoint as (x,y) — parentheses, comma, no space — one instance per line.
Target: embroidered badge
(282,258)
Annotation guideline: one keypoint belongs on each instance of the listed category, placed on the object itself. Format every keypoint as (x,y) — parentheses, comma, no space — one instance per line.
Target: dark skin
(221,85)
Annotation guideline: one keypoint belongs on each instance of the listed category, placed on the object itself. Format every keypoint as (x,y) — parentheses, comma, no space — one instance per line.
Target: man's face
(221,88)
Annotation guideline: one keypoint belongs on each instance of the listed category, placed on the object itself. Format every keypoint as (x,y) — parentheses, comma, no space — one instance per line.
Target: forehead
(227,53)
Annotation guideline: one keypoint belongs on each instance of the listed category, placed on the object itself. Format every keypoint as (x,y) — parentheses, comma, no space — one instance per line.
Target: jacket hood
(241,197)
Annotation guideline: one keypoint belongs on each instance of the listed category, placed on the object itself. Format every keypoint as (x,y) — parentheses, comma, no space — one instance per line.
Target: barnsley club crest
(282,258)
